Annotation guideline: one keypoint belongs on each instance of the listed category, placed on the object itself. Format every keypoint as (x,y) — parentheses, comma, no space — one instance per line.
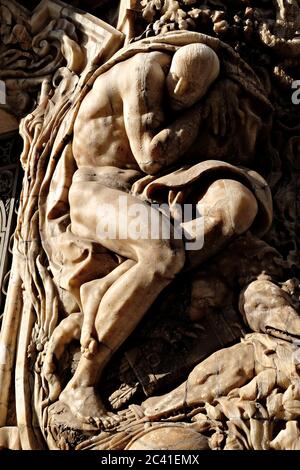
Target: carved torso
(100,133)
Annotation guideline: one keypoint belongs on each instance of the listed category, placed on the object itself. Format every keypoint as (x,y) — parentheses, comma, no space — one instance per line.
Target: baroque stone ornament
(153,301)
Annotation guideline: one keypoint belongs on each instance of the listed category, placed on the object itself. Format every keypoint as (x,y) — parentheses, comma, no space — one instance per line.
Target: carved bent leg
(120,302)
(152,266)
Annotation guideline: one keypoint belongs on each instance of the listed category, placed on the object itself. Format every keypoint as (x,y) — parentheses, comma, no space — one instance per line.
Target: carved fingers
(222,108)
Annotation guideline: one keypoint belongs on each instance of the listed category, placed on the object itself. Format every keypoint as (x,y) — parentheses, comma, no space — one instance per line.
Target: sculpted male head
(193,69)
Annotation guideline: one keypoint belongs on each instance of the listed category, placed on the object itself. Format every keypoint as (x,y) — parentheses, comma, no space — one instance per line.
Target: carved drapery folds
(41,67)
(227,331)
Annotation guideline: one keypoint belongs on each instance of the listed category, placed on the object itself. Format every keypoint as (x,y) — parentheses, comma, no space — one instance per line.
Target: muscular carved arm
(152,148)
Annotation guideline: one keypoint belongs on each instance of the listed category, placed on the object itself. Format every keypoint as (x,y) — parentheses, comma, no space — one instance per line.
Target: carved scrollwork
(9,171)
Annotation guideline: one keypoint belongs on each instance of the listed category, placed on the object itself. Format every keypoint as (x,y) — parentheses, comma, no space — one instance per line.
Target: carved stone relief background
(214,362)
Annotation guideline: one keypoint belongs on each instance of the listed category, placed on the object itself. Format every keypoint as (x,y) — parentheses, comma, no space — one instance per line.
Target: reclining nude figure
(120,134)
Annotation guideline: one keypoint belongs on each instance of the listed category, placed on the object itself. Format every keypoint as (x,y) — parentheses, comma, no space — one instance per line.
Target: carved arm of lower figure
(193,69)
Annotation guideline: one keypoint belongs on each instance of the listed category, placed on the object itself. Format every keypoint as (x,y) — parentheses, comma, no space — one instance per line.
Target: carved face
(193,69)
(183,92)
(268,309)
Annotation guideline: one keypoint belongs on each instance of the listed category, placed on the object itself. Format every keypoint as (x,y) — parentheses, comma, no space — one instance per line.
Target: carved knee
(242,206)
(166,261)
(91,294)
(231,204)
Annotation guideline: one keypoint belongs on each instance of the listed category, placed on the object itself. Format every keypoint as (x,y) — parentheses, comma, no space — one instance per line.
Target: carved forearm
(170,144)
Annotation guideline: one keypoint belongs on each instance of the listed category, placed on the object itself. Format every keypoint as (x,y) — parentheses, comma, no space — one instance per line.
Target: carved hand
(172,143)
(222,108)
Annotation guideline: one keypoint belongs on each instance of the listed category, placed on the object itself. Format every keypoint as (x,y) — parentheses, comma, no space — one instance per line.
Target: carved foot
(85,404)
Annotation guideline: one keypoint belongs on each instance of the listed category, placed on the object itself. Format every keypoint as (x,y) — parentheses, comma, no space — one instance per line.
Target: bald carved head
(193,69)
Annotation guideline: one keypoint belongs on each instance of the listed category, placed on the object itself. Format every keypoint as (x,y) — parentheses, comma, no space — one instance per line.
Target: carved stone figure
(128,124)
